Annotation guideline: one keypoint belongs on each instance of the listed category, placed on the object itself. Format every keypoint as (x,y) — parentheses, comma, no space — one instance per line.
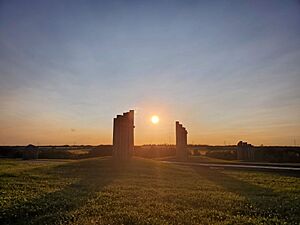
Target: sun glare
(154,119)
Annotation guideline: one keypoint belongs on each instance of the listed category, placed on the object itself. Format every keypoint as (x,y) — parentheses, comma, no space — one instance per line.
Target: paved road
(235,166)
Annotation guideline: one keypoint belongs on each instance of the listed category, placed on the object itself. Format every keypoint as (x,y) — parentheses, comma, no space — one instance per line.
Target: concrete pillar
(123,141)
(181,142)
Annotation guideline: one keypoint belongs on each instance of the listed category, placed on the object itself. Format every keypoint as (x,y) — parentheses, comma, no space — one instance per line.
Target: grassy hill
(142,192)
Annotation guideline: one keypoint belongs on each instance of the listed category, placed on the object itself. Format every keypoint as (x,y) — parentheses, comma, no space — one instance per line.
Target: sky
(228,70)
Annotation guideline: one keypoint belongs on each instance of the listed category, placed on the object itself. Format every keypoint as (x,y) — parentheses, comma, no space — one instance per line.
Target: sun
(154,119)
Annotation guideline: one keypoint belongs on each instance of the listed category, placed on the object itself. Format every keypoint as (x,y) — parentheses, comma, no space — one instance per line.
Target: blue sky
(228,70)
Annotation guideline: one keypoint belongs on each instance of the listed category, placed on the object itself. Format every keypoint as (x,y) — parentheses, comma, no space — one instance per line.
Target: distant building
(181,142)
(123,136)
(30,152)
(245,151)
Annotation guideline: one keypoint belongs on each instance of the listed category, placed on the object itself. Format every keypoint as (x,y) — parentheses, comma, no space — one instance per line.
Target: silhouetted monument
(123,136)
(245,151)
(181,142)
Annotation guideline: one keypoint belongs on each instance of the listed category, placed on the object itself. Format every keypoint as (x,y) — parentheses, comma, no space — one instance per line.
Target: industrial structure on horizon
(245,151)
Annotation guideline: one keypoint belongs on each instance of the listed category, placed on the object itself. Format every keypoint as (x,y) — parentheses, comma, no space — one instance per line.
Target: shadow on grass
(259,201)
(83,180)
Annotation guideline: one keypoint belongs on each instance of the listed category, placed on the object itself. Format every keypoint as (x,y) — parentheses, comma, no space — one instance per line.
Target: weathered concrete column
(181,142)
(123,136)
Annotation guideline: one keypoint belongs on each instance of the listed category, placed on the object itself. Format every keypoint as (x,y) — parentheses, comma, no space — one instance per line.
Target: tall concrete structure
(181,142)
(245,151)
(123,136)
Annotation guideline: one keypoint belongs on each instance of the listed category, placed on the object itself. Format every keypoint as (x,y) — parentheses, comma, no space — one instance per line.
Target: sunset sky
(228,70)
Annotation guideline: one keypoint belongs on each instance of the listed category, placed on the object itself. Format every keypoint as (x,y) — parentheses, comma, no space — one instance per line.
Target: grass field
(142,192)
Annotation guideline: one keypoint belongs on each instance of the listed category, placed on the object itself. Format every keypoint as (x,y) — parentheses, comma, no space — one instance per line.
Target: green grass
(143,192)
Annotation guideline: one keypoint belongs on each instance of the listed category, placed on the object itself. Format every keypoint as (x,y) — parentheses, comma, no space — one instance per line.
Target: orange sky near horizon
(58,131)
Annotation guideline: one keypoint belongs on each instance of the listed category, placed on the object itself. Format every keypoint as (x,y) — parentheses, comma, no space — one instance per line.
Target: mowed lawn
(143,192)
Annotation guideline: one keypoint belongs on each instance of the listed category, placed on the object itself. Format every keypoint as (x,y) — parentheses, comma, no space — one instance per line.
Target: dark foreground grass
(143,192)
